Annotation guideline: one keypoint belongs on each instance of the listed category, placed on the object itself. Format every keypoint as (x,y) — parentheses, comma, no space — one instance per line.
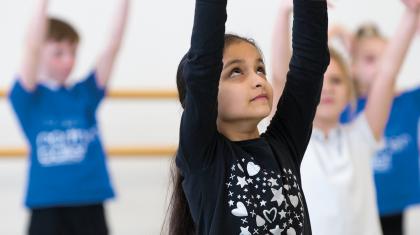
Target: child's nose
(257,80)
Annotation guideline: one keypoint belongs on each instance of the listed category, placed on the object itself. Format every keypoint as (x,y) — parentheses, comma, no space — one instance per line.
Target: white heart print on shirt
(264,201)
(240,210)
(291,231)
(270,215)
(294,200)
(260,221)
(252,169)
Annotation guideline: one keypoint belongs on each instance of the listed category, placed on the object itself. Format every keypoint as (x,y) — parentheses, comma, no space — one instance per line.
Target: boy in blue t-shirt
(68,177)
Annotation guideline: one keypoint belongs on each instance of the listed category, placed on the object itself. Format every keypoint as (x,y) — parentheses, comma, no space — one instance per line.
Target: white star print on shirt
(261,195)
(245,231)
(282,213)
(273,182)
(277,196)
(241,181)
(276,231)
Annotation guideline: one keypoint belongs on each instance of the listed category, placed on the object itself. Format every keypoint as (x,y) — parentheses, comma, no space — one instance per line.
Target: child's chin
(328,115)
(261,114)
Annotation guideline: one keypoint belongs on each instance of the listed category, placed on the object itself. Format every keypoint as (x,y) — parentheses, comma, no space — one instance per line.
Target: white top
(337,180)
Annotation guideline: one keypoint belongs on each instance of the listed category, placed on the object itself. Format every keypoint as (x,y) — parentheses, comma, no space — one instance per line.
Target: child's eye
(336,80)
(261,70)
(235,72)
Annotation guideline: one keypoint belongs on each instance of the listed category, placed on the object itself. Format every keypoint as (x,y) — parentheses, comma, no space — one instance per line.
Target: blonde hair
(345,68)
(368,30)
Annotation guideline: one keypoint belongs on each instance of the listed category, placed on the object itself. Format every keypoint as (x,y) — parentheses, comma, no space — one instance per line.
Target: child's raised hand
(286,5)
(413,5)
(331,3)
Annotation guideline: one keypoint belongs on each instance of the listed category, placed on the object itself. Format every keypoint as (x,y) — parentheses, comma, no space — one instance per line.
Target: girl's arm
(107,58)
(292,122)
(380,97)
(34,41)
(201,70)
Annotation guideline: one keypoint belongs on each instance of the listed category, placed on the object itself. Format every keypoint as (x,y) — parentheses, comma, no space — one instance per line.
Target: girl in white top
(336,174)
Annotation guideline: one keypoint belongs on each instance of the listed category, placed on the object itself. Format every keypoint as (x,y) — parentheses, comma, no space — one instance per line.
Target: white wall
(159,31)
(158,36)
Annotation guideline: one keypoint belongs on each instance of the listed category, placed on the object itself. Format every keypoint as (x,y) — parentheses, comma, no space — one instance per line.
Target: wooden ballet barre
(130,94)
(135,152)
(143,94)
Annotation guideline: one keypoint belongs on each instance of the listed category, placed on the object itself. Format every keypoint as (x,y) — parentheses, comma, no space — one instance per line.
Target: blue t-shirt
(67,160)
(396,166)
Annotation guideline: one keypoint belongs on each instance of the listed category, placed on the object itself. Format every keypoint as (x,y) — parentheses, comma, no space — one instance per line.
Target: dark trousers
(74,220)
(392,224)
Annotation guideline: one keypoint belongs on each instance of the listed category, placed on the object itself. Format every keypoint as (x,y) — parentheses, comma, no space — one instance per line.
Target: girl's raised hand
(286,5)
(413,5)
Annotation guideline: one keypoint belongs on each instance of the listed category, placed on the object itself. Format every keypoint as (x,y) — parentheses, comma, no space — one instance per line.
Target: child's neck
(363,91)
(238,130)
(325,125)
(50,83)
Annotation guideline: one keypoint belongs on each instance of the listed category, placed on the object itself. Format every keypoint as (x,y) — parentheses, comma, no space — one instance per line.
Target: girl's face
(335,93)
(244,92)
(366,58)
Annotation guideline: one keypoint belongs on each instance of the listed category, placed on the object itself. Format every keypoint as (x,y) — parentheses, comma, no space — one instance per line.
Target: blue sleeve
(202,72)
(350,113)
(292,122)
(347,115)
(411,97)
(22,102)
(414,93)
(91,92)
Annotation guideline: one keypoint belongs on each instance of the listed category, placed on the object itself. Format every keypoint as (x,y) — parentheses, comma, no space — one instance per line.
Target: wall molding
(126,151)
(130,93)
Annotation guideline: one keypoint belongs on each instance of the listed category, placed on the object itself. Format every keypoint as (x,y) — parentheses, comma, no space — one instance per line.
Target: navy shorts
(74,220)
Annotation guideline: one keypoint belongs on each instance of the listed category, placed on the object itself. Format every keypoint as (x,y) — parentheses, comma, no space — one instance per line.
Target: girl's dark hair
(179,218)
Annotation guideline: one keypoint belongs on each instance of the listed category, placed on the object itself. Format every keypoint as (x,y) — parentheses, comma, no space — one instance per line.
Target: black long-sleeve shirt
(253,186)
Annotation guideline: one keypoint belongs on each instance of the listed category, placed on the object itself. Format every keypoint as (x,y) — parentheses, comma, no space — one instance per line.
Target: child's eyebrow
(236,61)
(240,61)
